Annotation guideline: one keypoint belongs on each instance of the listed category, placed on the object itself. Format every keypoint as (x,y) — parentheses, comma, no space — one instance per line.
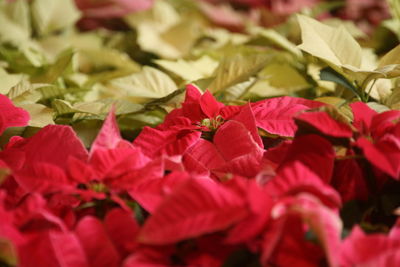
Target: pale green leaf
(378,107)
(62,107)
(87,130)
(57,69)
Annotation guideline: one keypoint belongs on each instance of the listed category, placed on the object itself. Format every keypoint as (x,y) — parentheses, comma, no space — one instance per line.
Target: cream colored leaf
(391,58)
(169,43)
(18,11)
(350,26)
(7,81)
(161,16)
(149,83)
(190,70)
(333,45)
(25,92)
(161,30)
(50,15)
(264,89)
(11,31)
(236,91)
(222,37)
(62,107)
(381,89)
(393,101)
(40,114)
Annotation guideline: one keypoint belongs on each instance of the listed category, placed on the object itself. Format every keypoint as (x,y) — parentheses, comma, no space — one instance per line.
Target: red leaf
(67,249)
(151,192)
(53,144)
(207,154)
(348,179)
(98,247)
(324,223)
(233,140)
(326,124)
(43,178)
(209,105)
(11,116)
(197,207)
(260,204)
(248,165)
(362,116)
(384,154)
(109,136)
(384,123)
(155,142)
(296,178)
(52,248)
(377,250)
(314,152)
(246,117)
(276,115)
(114,162)
(122,228)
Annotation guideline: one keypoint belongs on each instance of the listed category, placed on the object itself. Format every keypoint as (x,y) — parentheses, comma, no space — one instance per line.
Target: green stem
(370,89)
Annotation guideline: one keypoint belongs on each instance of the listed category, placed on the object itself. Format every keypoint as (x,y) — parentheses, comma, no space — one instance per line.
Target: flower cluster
(266,183)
